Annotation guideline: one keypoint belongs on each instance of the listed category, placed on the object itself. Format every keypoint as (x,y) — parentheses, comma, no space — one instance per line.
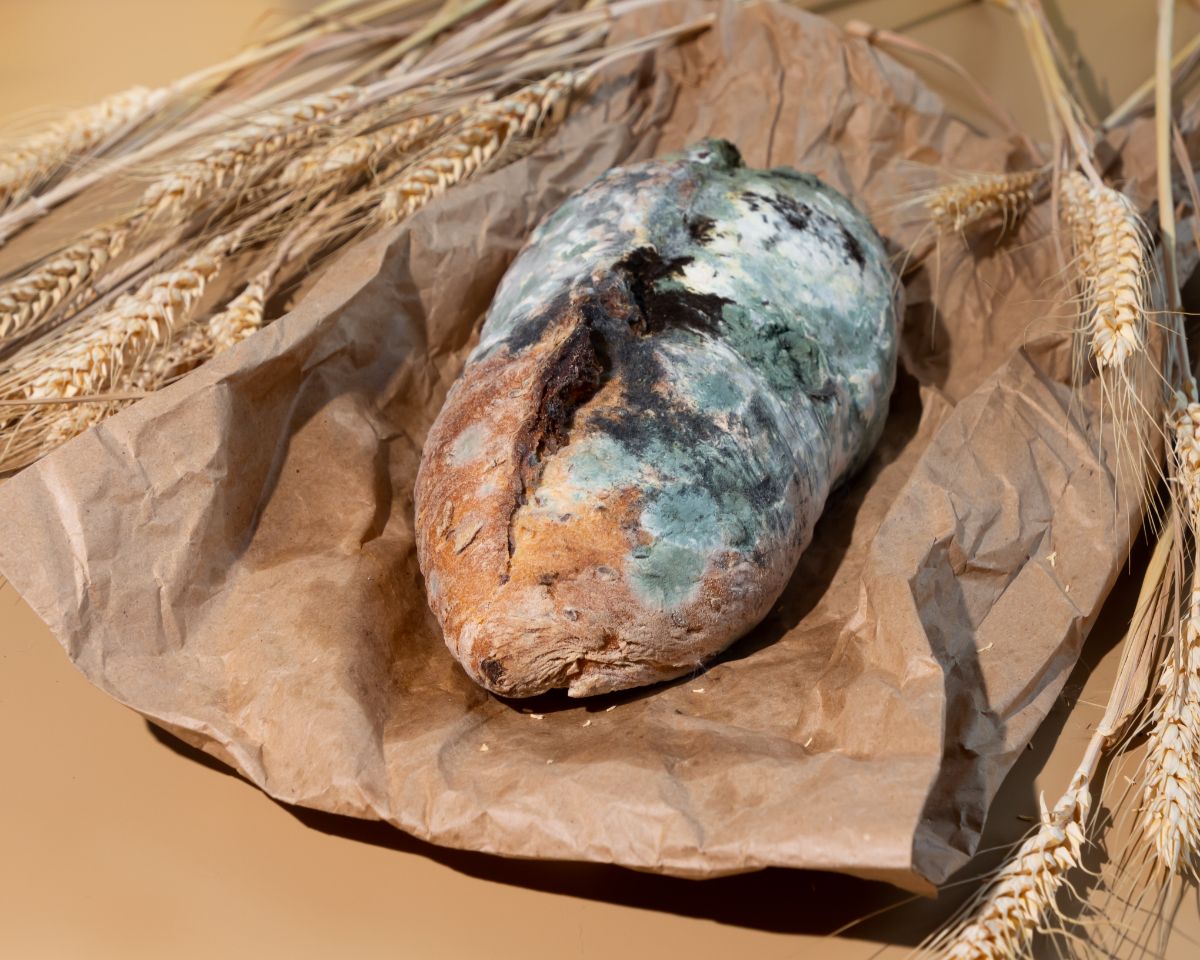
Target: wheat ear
(361,152)
(197,342)
(117,341)
(1171,791)
(470,146)
(27,300)
(1022,896)
(27,162)
(241,156)
(984,197)
(1111,258)
(110,352)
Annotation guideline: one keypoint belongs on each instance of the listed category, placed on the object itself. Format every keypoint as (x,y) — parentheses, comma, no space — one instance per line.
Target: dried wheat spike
(242,155)
(1171,794)
(1111,258)
(984,197)
(486,129)
(1022,896)
(195,343)
(189,348)
(25,301)
(27,162)
(357,154)
(240,318)
(114,344)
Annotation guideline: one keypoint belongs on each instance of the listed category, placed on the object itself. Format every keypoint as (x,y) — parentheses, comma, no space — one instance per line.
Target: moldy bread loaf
(681,364)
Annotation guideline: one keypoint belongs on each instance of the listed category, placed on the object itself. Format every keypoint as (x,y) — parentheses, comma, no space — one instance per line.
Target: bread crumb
(483,748)
(537,716)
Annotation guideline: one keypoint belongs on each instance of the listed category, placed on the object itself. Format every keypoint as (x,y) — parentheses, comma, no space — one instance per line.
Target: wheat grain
(470,146)
(241,156)
(27,300)
(1020,899)
(29,161)
(984,197)
(189,348)
(1111,258)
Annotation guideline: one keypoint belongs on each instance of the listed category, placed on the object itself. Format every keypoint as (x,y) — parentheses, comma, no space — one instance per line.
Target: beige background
(116,843)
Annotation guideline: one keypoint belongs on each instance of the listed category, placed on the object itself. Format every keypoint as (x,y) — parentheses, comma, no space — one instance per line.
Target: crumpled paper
(233,556)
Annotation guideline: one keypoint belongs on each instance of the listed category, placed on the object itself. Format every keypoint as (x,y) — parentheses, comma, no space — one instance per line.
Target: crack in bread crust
(568,379)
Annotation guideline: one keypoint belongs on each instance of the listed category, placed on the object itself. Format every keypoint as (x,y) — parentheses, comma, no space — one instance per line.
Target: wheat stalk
(1111,258)
(29,161)
(470,146)
(989,196)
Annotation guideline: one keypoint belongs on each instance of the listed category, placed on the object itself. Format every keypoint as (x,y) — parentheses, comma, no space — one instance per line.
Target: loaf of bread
(683,361)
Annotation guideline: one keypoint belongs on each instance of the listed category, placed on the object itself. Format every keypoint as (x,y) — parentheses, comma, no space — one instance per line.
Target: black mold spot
(492,669)
(796,213)
(661,309)
(529,330)
(700,229)
(854,249)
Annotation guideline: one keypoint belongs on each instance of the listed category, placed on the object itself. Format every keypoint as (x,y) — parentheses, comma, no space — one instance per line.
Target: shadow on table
(776,900)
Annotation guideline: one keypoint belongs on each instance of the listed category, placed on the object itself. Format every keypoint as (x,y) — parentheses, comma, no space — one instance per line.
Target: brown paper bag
(233,556)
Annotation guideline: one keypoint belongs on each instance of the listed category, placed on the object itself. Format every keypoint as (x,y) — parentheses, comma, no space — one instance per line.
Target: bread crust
(614,491)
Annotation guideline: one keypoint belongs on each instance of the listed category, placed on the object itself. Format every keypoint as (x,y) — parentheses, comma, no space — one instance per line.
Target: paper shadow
(775,899)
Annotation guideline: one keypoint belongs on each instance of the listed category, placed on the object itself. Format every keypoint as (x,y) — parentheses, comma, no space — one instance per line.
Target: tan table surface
(115,843)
